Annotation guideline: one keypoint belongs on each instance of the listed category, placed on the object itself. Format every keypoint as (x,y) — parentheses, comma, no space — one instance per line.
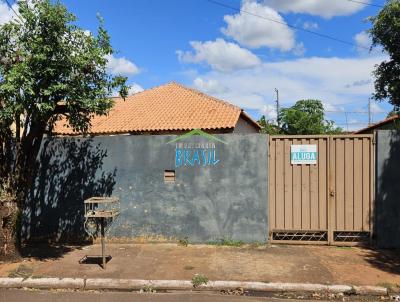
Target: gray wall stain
(206,203)
(244,127)
(387,209)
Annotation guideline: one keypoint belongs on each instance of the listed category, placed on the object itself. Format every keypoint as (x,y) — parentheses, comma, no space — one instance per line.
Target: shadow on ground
(387,207)
(95,260)
(68,172)
(44,251)
(385,260)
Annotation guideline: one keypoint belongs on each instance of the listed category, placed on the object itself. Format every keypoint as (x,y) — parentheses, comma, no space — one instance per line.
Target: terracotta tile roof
(378,124)
(163,108)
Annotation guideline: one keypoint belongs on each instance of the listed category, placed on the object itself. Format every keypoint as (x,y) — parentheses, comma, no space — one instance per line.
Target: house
(168,109)
(387,124)
(205,185)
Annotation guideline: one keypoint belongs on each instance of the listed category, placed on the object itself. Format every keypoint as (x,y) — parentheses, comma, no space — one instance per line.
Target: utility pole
(369,112)
(277,108)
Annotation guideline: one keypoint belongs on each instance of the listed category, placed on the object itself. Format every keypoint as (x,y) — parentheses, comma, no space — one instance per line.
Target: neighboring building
(168,109)
(390,123)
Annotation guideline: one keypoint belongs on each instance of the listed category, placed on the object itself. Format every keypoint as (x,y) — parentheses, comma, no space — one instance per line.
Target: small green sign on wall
(303,154)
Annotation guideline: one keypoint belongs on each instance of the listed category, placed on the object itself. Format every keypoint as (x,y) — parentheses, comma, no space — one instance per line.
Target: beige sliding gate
(327,202)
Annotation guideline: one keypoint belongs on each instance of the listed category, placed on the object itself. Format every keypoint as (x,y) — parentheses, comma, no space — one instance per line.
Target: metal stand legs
(103,243)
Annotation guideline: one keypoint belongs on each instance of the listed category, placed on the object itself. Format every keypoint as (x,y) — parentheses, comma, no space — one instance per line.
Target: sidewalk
(275,263)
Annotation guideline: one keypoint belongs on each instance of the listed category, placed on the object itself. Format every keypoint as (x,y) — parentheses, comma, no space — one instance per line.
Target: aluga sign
(303,154)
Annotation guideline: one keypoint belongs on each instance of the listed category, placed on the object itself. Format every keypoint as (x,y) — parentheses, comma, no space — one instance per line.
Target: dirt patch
(272,263)
(357,265)
(6,268)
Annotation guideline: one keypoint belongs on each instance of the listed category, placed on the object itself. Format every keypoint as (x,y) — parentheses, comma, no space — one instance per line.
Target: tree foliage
(267,127)
(392,113)
(49,68)
(306,117)
(385,32)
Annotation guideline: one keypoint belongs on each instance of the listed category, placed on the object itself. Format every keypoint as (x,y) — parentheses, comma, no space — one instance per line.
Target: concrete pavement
(274,263)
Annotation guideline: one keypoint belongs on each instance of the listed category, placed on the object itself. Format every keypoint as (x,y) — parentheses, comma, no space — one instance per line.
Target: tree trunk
(10,230)
(8,205)
(22,177)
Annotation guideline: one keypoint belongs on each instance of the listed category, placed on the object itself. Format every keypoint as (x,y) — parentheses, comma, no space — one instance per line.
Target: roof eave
(250,119)
(381,123)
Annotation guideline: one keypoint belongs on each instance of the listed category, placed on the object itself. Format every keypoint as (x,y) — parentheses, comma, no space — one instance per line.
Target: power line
(351,112)
(366,3)
(15,13)
(343,111)
(351,123)
(287,24)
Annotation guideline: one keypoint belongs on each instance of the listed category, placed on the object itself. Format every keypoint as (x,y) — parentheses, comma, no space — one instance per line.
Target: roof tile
(167,107)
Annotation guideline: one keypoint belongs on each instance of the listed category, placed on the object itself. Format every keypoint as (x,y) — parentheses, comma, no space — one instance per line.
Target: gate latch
(332,193)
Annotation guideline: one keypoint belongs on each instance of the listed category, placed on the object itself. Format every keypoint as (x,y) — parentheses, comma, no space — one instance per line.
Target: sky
(241,51)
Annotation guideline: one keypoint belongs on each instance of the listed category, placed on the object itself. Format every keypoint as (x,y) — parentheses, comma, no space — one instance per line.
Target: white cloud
(329,107)
(323,8)
(87,32)
(220,55)
(299,49)
(310,25)
(375,108)
(328,79)
(121,66)
(363,42)
(255,32)
(212,86)
(6,14)
(135,88)
(269,111)
(359,83)
(353,124)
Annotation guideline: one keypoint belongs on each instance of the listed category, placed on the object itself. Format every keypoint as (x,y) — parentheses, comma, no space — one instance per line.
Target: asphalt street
(14,295)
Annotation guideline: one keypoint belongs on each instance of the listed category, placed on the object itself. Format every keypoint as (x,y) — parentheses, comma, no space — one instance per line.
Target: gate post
(331,189)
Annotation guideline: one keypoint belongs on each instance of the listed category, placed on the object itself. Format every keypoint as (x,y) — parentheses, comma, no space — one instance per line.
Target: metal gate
(329,202)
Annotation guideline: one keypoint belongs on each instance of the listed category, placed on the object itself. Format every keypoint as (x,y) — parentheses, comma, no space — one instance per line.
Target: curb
(370,290)
(137,284)
(43,283)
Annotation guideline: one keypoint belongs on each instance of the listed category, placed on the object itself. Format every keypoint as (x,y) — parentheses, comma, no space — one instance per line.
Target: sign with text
(303,154)
(192,154)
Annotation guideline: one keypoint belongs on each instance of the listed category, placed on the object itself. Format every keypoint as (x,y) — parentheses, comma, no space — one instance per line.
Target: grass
(228,242)
(343,247)
(183,242)
(255,245)
(38,276)
(388,285)
(199,279)
(148,289)
(22,271)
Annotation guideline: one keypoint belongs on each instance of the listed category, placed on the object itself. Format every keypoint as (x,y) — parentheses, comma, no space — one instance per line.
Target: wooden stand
(103,242)
(101,208)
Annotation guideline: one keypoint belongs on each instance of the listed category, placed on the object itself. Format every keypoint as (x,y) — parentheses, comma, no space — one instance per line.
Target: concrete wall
(387,210)
(226,199)
(244,127)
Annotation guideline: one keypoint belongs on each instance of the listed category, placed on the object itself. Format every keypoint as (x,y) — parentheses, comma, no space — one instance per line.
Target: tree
(267,127)
(385,32)
(306,117)
(48,68)
(392,113)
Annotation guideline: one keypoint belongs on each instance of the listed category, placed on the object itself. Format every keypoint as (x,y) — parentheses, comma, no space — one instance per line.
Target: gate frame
(330,190)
